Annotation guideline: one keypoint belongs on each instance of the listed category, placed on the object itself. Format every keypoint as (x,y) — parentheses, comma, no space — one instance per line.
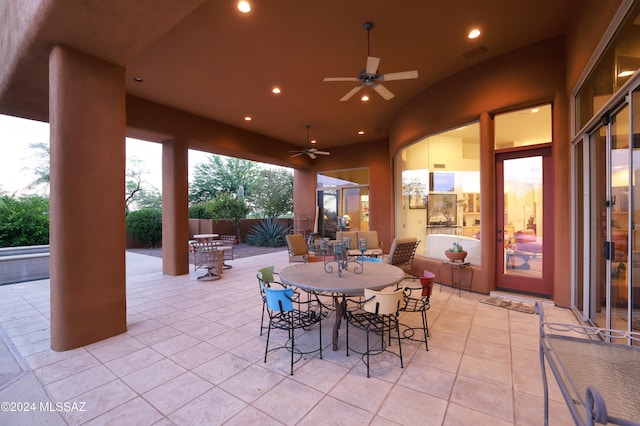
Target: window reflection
(438,181)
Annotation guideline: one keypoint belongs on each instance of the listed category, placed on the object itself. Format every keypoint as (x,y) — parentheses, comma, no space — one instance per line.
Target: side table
(461,267)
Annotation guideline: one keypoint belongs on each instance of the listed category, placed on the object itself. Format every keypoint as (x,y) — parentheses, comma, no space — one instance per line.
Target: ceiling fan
(311,152)
(370,76)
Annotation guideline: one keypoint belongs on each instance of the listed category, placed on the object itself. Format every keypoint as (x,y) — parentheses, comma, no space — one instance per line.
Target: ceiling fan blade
(295,155)
(372,64)
(322,152)
(311,155)
(383,91)
(351,93)
(340,79)
(403,75)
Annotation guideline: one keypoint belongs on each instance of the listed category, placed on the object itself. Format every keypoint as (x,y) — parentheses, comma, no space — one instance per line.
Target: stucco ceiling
(206,58)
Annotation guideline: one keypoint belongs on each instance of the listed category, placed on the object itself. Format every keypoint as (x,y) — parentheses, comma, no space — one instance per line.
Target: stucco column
(175,207)
(87,209)
(485,275)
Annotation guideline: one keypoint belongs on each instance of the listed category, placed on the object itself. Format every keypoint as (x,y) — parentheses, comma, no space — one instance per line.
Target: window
(438,186)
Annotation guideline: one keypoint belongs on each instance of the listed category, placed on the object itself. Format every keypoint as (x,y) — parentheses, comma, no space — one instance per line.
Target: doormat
(514,305)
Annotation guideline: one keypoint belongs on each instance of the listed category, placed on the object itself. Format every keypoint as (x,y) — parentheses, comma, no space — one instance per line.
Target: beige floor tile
(359,391)
(332,411)
(407,407)
(134,361)
(489,350)
(79,383)
(134,412)
(214,407)
(320,374)
(41,359)
(207,366)
(175,393)
(108,350)
(157,335)
(252,416)
(288,401)
(438,357)
(458,415)
(445,340)
(524,341)
(219,369)
(429,380)
(175,344)
(196,355)
(530,411)
(99,401)
(251,383)
(230,339)
(485,397)
(153,375)
(66,367)
(498,372)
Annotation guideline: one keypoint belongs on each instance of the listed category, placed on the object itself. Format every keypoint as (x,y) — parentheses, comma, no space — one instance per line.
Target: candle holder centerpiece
(340,257)
(362,245)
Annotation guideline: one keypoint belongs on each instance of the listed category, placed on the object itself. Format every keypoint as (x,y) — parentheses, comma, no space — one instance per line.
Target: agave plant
(267,233)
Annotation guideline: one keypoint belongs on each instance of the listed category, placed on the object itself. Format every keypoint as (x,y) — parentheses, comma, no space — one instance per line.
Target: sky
(17,159)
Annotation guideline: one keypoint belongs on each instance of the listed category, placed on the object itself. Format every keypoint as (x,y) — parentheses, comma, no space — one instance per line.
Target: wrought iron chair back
(286,315)
(377,314)
(416,299)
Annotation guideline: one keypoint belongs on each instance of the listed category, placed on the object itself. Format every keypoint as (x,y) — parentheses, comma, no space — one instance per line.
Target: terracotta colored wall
(528,76)
(373,155)
(88,300)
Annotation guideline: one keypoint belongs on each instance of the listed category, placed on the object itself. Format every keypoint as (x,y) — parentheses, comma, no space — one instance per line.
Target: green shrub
(145,226)
(201,211)
(24,221)
(267,233)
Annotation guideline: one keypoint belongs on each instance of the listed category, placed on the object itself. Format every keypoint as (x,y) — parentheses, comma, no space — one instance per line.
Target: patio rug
(515,305)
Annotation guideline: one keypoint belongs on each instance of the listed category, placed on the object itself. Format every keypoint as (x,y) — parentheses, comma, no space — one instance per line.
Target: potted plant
(455,253)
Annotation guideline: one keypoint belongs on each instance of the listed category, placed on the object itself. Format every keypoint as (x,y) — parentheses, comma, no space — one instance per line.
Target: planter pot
(455,256)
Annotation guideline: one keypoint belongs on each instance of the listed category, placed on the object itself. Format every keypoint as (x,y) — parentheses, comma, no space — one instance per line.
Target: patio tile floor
(193,355)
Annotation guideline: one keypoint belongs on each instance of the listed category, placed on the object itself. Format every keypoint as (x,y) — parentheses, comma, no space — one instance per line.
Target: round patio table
(312,277)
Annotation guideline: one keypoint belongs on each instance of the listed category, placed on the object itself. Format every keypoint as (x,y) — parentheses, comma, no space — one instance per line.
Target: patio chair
(284,315)
(377,314)
(374,246)
(297,247)
(265,280)
(206,255)
(226,246)
(401,254)
(416,299)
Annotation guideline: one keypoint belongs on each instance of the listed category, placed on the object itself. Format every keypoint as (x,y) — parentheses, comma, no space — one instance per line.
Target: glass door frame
(539,286)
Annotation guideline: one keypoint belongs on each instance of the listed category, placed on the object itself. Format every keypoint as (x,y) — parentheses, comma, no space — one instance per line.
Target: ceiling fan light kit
(370,75)
(311,152)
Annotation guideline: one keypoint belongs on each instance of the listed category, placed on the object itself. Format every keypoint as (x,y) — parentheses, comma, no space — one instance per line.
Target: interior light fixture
(137,79)
(626,73)
(276,90)
(361,132)
(244,6)
(534,110)
(364,98)
(247,118)
(474,33)
(313,141)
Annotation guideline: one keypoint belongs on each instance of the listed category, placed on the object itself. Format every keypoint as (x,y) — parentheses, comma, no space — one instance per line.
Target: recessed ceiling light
(244,6)
(364,98)
(474,33)
(247,118)
(276,90)
(137,79)
(313,141)
(361,132)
